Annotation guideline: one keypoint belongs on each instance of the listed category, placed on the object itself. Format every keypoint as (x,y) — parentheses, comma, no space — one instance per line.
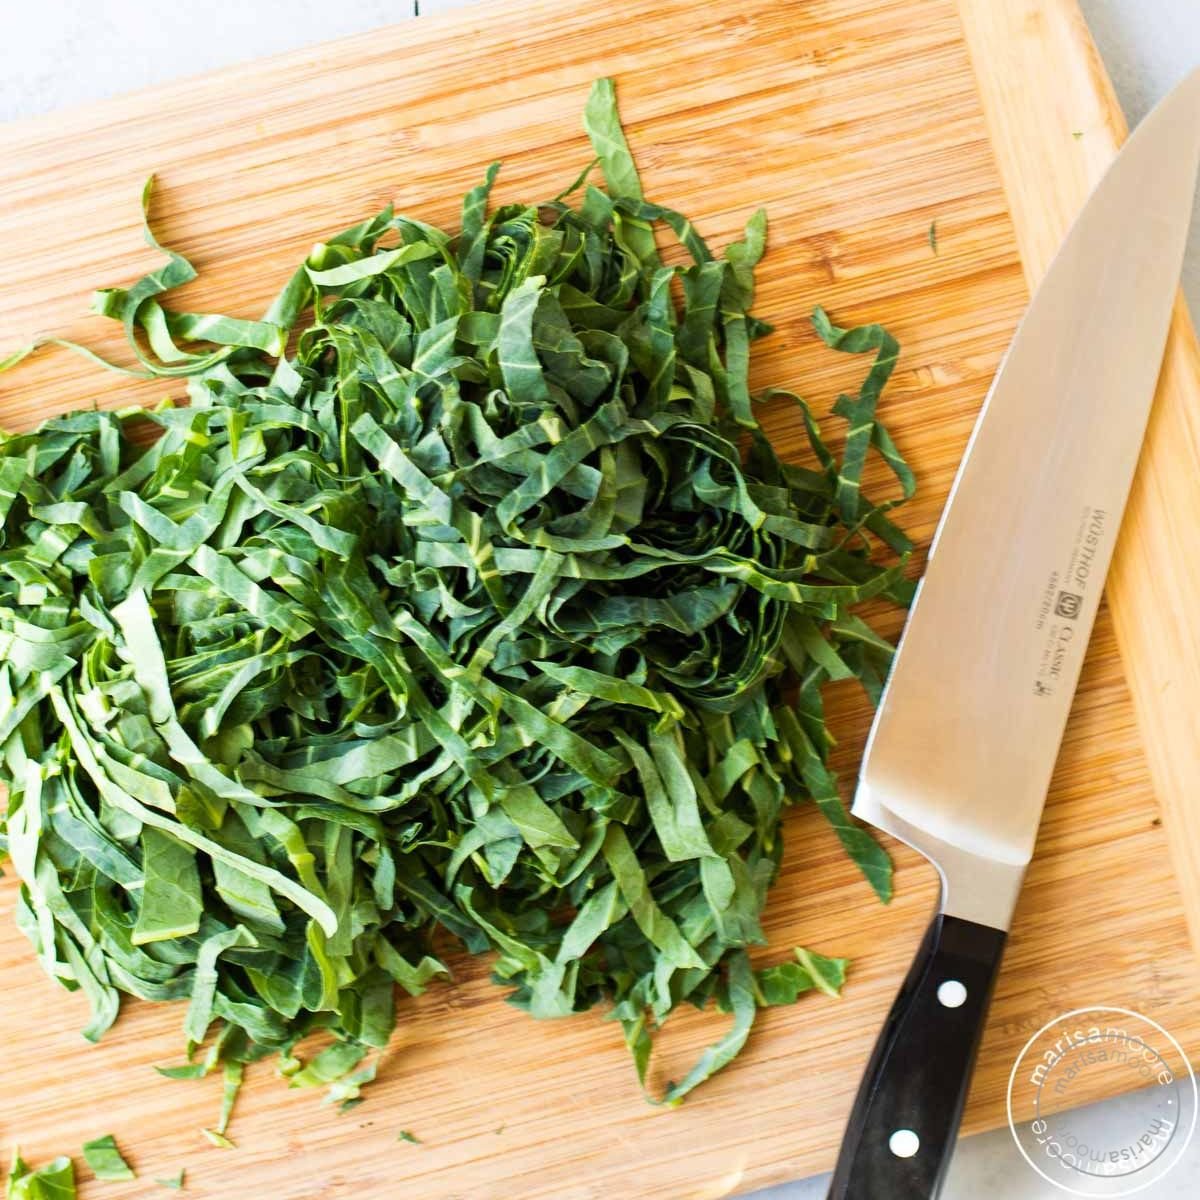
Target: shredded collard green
(104,1158)
(486,610)
(53,1181)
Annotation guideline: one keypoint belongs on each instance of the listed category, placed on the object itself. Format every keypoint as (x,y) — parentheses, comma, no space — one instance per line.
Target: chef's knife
(964,743)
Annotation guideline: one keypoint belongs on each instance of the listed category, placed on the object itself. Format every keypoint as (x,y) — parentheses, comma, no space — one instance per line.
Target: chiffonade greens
(466,597)
(105,1160)
(54,1180)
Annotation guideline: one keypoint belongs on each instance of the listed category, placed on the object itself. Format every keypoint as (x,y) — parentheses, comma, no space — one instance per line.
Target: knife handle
(905,1118)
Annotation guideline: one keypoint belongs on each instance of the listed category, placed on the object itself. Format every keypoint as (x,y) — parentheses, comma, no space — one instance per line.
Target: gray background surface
(57,53)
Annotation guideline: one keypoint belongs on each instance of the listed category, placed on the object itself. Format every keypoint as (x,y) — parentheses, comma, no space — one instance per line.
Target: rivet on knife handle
(905,1118)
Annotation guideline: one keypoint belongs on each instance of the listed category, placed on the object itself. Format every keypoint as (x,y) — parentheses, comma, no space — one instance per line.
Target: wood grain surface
(857,123)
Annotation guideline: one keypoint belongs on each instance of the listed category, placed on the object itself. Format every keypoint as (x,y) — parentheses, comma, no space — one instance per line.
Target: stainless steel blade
(964,743)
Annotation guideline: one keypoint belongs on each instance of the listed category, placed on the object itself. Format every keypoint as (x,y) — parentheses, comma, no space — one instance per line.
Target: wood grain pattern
(857,123)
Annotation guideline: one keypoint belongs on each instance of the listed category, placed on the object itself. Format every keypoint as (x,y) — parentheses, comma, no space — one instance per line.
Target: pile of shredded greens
(489,610)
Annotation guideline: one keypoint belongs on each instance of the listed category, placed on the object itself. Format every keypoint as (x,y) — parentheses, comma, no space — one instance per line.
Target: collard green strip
(171,902)
(489,610)
(229,1092)
(104,1159)
(54,1180)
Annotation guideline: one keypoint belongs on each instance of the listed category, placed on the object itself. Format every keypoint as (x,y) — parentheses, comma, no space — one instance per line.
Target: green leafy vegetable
(782,984)
(229,1092)
(175,1182)
(405,1136)
(171,901)
(933,242)
(346,1091)
(54,1181)
(488,609)
(102,1155)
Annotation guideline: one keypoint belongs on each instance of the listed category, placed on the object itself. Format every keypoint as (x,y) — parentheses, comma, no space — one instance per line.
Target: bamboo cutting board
(858,123)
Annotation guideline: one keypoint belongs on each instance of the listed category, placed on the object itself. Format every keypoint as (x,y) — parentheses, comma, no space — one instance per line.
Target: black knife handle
(905,1118)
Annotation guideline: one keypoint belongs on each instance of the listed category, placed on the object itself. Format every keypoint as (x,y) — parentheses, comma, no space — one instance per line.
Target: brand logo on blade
(1061,602)
(1086,1055)
(1068,605)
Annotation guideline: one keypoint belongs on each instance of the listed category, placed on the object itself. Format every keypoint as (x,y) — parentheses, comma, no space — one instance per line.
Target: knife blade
(968,729)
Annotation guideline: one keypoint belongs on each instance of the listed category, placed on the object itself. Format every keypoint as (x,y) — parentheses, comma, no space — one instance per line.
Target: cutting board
(858,124)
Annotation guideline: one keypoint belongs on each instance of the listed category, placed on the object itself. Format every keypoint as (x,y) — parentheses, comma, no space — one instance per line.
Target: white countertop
(61,52)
